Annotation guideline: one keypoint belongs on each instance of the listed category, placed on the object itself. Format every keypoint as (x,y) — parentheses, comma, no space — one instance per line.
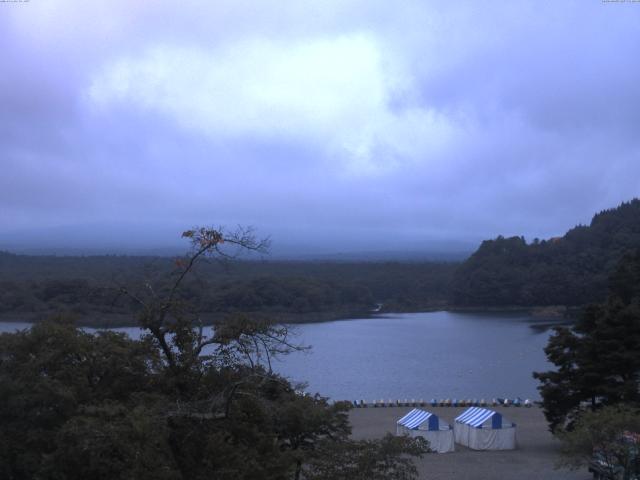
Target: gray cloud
(334,125)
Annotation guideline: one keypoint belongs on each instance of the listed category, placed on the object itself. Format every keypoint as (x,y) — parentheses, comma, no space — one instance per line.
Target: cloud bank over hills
(364,125)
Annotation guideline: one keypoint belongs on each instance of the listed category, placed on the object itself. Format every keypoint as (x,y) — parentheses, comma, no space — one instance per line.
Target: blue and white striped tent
(420,423)
(416,418)
(476,417)
(483,429)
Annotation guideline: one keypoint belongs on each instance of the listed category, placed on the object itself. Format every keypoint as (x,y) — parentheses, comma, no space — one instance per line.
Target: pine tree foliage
(598,358)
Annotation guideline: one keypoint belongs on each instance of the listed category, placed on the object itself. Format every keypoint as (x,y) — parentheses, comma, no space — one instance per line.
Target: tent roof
(415,418)
(475,416)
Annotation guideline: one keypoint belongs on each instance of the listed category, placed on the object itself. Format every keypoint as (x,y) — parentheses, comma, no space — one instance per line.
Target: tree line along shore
(549,278)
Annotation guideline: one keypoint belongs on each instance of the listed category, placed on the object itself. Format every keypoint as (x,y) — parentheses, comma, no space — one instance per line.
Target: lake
(416,355)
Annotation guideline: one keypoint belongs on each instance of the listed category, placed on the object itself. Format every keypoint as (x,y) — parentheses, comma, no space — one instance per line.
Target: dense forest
(506,272)
(570,270)
(33,287)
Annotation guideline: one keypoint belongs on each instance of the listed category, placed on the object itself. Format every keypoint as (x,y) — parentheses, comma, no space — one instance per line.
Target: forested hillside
(32,287)
(570,270)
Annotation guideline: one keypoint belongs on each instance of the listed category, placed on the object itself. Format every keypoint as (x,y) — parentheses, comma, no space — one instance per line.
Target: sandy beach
(535,457)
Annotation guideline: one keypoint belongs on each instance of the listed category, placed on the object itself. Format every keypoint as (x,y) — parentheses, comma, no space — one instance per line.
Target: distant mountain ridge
(570,270)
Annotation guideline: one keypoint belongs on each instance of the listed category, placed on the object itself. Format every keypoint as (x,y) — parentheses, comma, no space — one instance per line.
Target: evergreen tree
(598,358)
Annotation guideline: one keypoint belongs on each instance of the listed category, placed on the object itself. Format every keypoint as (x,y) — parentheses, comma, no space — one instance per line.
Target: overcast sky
(331,125)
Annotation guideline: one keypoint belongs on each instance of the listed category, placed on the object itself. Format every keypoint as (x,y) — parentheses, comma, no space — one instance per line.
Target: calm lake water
(416,355)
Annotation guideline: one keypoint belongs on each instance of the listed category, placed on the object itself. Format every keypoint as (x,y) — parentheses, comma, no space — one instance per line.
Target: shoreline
(117,320)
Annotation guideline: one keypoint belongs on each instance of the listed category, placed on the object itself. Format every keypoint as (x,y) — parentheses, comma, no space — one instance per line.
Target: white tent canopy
(420,423)
(483,429)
